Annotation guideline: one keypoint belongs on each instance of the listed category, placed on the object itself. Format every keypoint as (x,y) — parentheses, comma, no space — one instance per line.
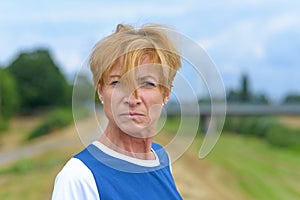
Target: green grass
(32,178)
(252,166)
(258,170)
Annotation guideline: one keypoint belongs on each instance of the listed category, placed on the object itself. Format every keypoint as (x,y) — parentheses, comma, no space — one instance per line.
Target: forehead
(146,67)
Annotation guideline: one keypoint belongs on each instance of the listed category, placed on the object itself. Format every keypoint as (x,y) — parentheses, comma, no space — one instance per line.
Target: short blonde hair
(128,46)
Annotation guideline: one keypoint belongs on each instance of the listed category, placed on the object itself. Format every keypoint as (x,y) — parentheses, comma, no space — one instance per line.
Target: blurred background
(254,44)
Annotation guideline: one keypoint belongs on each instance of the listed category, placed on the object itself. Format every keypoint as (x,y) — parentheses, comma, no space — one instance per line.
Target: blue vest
(119,179)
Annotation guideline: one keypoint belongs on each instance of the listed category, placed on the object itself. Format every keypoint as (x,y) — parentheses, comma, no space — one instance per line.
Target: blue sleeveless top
(119,179)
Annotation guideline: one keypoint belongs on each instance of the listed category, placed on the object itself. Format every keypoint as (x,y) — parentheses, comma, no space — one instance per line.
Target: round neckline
(137,161)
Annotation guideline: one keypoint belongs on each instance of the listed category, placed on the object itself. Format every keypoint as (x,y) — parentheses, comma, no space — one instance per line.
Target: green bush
(283,136)
(57,119)
(267,128)
(256,126)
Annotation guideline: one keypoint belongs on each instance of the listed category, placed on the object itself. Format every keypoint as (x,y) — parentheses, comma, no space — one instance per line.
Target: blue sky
(260,38)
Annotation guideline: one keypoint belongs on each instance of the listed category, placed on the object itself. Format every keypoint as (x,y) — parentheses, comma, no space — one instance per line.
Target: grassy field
(256,169)
(237,168)
(33,178)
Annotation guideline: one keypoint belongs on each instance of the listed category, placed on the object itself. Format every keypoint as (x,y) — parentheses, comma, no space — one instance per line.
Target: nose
(133,99)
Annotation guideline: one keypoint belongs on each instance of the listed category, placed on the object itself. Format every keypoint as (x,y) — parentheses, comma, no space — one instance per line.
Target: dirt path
(60,139)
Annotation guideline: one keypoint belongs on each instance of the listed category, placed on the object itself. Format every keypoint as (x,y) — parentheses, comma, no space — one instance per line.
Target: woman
(133,70)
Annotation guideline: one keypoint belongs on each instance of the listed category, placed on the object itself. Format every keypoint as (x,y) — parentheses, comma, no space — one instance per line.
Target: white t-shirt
(76,182)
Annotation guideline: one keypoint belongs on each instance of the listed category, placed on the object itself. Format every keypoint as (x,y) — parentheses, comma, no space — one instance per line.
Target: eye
(115,83)
(149,84)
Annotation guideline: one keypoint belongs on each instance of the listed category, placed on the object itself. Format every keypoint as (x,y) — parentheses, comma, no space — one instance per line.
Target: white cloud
(237,41)
(249,37)
(284,22)
(62,11)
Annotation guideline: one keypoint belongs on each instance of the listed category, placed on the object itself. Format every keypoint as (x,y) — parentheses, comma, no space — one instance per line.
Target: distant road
(236,109)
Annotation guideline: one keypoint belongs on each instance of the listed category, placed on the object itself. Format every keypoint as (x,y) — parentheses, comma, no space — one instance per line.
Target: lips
(132,114)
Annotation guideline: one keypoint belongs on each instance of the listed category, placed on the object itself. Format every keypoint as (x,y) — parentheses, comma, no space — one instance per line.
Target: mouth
(132,114)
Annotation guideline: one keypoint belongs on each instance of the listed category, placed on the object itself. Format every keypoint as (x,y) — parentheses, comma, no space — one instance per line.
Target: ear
(99,92)
(167,96)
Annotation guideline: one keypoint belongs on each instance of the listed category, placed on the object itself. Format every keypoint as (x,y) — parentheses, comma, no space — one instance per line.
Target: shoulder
(75,181)
(163,155)
(156,146)
(75,169)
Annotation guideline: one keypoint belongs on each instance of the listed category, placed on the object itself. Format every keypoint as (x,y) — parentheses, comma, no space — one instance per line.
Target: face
(134,109)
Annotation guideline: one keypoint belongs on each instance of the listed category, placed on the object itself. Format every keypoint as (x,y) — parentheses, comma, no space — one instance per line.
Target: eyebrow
(148,77)
(114,76)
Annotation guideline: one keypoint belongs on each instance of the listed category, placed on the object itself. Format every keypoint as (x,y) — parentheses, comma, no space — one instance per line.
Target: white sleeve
(75,182)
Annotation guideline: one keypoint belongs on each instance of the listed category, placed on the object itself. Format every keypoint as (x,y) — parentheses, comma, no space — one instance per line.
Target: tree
(245,95)
(39,80)
(292,98)
(9,99)
(233,96)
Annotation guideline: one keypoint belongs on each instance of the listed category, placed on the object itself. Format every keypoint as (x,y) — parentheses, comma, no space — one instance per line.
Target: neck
(126,144)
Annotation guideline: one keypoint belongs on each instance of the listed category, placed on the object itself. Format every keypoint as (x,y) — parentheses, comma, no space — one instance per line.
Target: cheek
(107,100)
(107,108)
(153,102)
(112,101)
(153,97)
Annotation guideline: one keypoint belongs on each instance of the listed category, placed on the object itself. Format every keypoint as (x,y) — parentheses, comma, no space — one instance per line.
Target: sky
(260,38)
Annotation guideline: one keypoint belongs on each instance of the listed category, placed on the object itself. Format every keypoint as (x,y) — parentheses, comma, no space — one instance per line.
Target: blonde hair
(128,46)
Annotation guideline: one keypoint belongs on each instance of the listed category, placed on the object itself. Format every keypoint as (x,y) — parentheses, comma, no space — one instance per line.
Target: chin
(137,130)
